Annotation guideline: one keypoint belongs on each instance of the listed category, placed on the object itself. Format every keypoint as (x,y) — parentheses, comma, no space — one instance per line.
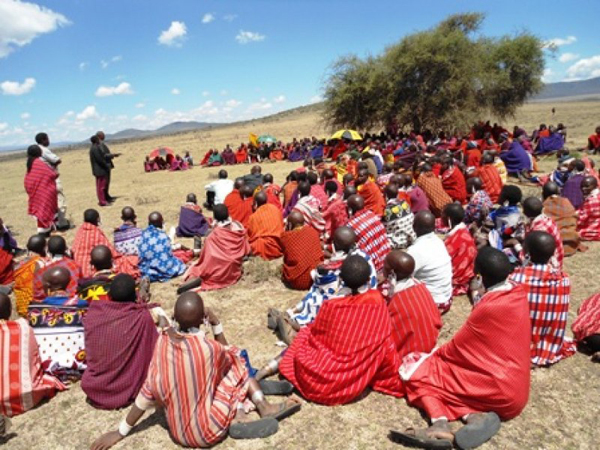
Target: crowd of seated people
(382,236)
(169,162)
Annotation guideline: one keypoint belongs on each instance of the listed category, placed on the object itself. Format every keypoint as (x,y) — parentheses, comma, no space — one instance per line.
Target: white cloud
(3,126)
(174,36)
(233,103)
(175,91)
(316,99)
(230,17)
(205,93)
(89,112)
(559,42)
(224,92)
(122,89)
(25,116)
(104,63)
(259,106)
(117,58)
(566,57)
(140,118)
(547,76)
(585,68)
(140,105)
(21,22)
(83,66)
(279,99)
(16,88)
(208,18)
(244,37)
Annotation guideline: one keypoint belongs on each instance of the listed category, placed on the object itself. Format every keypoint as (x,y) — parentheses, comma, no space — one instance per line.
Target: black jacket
(100,168)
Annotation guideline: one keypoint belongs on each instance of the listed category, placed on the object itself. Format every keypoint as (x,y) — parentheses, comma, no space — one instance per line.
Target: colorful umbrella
(347,134)
(161,151)
(267,139)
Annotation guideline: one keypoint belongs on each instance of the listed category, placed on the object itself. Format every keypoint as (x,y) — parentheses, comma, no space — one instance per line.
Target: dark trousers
(101,183)
(106,190)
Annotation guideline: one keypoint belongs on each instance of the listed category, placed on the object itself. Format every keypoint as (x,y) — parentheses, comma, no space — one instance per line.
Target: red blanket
(265,228)
(119,342)
(462,249)
(302,253)
(345,350)
(6,267)
(588,318)
(416,320)
(454,184)
(373,198)
(239,209)
(40,184)
(220,263)
(492,183)
(484,368)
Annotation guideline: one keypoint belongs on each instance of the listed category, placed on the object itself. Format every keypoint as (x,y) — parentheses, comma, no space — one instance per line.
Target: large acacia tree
(442,78)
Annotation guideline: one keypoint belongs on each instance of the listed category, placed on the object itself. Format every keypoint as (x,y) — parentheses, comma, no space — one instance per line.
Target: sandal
(286,410)
(419,439)
(474,434)
(276,387)
(257,429)
(283,330)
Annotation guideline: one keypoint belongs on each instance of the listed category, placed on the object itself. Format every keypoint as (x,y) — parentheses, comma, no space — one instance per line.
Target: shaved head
(400,263)
(155,219)
(189,311)
(355,272)
(128,214)
(101,258)
(493,265)
(5,307)
(349,191)
(424,223)
(344,239)
(260,199)
(550,189)
(91,216)
(454,214)
(268,178)
(122,289)
(57,246)
(391,191)
(304,188)
(239,182)
(37,244)
(356,203)
(532,207)
(220,213)
(246,191)
(296,219)
(56,279)
(347,179)
(474,184)
(588,185)
(327,174)
(191,198)
(540,246)
(256,170)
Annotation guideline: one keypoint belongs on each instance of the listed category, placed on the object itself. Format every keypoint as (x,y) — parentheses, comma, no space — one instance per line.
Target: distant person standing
(53,161)
(109,160)
(100,168)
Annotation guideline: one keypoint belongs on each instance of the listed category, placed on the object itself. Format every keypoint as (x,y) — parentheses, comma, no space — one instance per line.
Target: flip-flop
(419,440)
(276,387)
(272,316)
(282,330)
(475,434)
(257,429)
(189,285)
(285,412)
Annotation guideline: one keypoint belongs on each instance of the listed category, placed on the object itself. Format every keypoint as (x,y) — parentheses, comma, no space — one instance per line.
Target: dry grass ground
(563,400)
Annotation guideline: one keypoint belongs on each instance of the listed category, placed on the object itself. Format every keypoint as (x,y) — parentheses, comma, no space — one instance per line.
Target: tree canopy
(444,78)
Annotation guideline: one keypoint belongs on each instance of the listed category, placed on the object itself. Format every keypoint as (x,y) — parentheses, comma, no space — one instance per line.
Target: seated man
(119,341)
(58,328)
(549,293)
(516,159)
(265,228)
(25,271)
(239,202)
(224,250)
(480,203)
(572,188)
(538,221)
(416,321)
(272,190)
(588,220)
(200,417)
(8,248)
(398,219)
(434,190)
(564,215)
(192,222)
(453,181)
(330,362)
(371,235)
(254,179)
(317,190)
(57,257)
(309,207)
(157,261)
(433,265)
(461,248)
(98,285)
(336,212)
(586,327)
(241,155)
(370,192)
(302,252)
(24,383)
(218,190)
(128,235)
(490,177)
(88,236)
(594,141)
(482,374)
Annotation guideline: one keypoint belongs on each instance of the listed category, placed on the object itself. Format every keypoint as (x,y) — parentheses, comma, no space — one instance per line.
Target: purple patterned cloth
(191,223)
(572,190)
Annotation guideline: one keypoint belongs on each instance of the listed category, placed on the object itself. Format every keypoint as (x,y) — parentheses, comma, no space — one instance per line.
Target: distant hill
(175,127)
(569,91)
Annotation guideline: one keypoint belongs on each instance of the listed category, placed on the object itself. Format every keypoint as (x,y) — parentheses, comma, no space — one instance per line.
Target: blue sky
(71,67)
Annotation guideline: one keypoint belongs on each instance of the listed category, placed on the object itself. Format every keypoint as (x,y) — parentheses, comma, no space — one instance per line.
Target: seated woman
(187,158)
(178,164)
(192,222)
(215,159)
(57,323)
(150,165)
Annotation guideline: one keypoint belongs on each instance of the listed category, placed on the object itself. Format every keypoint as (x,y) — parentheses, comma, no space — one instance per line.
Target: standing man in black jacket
(100,169)
(109,159)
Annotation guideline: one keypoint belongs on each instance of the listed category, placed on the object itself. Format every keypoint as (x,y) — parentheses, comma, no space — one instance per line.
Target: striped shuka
(40,184)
